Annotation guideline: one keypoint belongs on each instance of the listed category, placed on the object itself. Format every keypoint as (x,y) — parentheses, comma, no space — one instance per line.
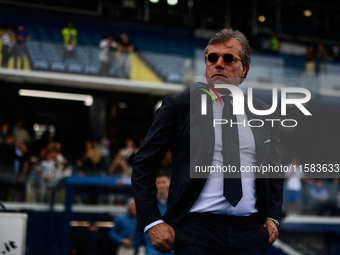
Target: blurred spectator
(322,57)
(123,67)
(274,42)
(47,170)
(49,146)
(70,36)
(321,198)
(294,185)
(91,162)
(93,242)
(45,181)
(107,54)
(17,192)
(7,175)
(104,148)
(124,158)
(310,61)
(118,165)
(4,131)
(7,155)
(128,150)
(20,133)
(162,182)
(336,52)
(65,169)
(24,161)
(21,37)
(124,229)
(7,47)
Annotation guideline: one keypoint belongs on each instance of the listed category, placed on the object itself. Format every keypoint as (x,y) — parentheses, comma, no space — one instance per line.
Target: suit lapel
(205,121)
(206,125)
(195,185)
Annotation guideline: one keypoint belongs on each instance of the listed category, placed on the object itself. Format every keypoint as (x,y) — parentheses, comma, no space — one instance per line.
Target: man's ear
(244,70)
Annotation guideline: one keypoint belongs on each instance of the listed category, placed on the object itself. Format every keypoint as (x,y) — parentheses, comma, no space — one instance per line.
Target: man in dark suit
(208,215)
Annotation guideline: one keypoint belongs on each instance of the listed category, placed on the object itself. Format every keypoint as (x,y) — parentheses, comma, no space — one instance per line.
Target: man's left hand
(273,232)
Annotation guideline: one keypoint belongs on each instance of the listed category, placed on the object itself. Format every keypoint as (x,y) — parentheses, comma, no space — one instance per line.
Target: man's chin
(223,80)
(219,80)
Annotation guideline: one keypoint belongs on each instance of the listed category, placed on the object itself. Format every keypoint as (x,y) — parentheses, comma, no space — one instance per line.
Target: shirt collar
(219,94)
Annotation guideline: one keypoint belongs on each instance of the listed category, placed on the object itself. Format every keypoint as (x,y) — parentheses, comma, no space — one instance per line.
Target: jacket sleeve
(147,163)
(116,230)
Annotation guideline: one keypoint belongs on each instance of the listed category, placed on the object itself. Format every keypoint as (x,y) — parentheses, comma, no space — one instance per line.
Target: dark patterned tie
(232,188)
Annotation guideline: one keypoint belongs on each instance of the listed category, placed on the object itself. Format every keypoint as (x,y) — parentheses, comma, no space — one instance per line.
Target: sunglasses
(228,58)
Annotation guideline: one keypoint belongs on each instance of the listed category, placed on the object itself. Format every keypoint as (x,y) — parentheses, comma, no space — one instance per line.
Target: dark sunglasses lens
(212,57)
(228,58)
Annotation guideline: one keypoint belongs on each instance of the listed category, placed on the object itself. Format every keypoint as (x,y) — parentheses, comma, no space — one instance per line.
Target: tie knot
(227,99)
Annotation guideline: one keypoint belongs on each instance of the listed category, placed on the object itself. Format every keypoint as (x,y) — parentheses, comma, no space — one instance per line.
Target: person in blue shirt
(321,199)
(162,183)
(21,38)
(124,229)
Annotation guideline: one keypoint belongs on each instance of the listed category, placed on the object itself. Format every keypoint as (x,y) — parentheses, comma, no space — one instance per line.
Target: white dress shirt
(211,198)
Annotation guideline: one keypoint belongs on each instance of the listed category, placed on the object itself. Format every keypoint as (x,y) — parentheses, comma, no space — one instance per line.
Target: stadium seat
(58,66)
(40,65)
(174,77)
(91,69)
(74,68)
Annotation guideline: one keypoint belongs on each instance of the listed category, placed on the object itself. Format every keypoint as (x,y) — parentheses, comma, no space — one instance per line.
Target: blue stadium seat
(58,66)
(75,68)
(91,69)
(174,77)
(40,65)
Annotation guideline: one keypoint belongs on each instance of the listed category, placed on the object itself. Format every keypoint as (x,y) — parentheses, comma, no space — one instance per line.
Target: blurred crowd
(31,173)
(14,43)
(28,176)
(310,196)
(318,57)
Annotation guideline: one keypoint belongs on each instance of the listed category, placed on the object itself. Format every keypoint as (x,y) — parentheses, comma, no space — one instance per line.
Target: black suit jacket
(171,129)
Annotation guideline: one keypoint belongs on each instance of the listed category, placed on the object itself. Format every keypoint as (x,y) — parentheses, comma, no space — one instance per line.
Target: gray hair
(225,35)
(130,201)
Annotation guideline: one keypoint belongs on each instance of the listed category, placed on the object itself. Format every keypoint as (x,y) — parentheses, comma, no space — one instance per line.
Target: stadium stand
(46,52)
(163,52)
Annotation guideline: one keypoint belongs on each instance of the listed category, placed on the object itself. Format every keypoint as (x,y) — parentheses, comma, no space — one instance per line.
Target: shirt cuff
(275,221)
(152,224)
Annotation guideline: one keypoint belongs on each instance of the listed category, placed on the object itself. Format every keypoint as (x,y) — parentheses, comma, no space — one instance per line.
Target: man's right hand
(162,237)
(127,243)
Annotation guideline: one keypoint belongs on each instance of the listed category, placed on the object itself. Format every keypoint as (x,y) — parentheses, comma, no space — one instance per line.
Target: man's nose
(220,63)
